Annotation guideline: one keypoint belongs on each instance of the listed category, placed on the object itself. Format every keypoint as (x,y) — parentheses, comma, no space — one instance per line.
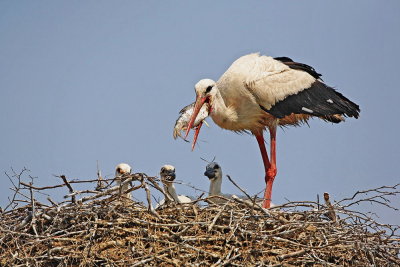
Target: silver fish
(182,122)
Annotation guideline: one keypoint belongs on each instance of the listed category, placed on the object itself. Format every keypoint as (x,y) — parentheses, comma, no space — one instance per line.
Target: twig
(71,191)
(243,191)
(100,181)
(293,254)
(16,187)
(217,216)
(33,212)
(150,207)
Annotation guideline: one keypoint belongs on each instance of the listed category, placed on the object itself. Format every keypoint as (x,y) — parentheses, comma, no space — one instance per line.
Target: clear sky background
(88,81)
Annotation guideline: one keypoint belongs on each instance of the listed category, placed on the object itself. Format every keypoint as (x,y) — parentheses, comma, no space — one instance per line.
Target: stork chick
(122,170)
(214,174)
(167,174)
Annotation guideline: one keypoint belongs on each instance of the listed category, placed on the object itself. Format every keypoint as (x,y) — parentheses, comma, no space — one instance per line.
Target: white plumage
(260,92)
(167,175)
(251,81)
(214,174)
(121,172)
(262,80)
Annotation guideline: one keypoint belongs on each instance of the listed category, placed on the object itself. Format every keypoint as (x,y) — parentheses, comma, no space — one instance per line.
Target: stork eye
(208,89)
(118,170)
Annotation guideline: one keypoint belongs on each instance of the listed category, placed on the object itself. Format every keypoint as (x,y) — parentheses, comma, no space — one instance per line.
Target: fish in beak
(200,101)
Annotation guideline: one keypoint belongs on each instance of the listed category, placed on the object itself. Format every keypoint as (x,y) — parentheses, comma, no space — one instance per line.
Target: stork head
(204,92)
(213,171)
(167,174)
(122,169)
(204,87)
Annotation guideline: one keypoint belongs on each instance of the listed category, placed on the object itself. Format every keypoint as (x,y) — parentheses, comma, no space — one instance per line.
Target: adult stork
(259,92)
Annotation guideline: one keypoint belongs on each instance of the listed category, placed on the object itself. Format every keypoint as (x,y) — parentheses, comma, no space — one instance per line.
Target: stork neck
(223,115)
(170,191)
(218,102)
(215,186)
(125,186)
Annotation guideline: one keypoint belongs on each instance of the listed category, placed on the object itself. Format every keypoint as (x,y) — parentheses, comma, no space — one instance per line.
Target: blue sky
(88,81)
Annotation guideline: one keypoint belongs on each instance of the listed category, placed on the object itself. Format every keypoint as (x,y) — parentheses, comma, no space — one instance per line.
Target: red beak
(196,134)
(199,103)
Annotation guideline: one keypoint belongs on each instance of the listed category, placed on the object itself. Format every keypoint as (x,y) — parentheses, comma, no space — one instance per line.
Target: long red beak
(199,103)
(196,134)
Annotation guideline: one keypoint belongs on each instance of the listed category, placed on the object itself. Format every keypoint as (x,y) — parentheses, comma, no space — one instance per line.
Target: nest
(102,228)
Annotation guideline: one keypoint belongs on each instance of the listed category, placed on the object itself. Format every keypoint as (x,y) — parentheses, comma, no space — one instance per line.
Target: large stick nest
(103,228)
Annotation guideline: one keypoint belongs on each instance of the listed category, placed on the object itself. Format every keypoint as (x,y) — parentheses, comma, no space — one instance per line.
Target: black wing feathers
(283,59)
(318,100)
(299,66)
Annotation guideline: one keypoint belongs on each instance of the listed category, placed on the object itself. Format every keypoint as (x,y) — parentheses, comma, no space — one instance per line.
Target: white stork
(167,174)
(214,174)
(260,92)
(121,171)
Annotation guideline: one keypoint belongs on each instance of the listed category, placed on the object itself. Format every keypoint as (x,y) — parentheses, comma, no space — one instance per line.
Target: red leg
(267,165)
(270,166)
(264,154)
(272,170)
